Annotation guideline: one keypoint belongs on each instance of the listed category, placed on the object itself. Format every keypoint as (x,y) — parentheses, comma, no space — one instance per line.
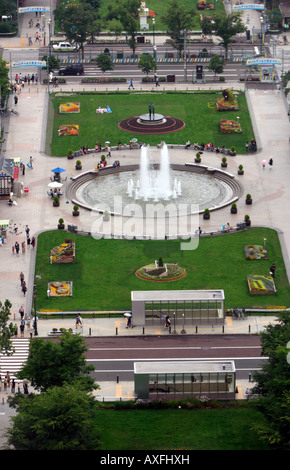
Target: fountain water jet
(154,184)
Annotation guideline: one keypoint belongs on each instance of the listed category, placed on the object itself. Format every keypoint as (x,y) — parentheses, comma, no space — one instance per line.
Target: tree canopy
(147,63)
(177,19)
(6,330)
(62,418)
(4,82)
(273,384)
(225,27)
(127,12)
(55,363)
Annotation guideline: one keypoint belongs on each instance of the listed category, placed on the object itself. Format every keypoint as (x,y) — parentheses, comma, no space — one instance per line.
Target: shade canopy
(57,170)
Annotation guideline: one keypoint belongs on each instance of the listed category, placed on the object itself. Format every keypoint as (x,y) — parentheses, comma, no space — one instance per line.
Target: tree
(273,384)
(62,418)
(78,21)
(53,62)
(216,64)
(127,12)
(104,62)
(6,331)
(177,19)
(53,364)
(147,63)
(225,27)
(5,86)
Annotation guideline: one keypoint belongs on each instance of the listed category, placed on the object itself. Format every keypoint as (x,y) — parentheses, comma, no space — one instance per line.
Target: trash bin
(241,224)
(170,78)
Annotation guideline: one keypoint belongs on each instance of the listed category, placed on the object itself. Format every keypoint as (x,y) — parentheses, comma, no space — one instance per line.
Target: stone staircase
(13,364)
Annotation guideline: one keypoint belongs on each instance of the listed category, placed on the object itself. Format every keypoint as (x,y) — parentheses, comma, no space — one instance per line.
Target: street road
(114,357)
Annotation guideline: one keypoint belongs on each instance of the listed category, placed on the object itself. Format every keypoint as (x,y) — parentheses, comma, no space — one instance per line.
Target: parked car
(64,47)
(74,69)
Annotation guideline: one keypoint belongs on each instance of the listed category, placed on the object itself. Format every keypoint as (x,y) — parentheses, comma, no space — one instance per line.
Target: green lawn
(213,429)
(159,7)
(196,109)
(104,272)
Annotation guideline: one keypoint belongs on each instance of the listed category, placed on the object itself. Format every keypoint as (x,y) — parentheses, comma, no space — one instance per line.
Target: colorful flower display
(230,127)
(60,289)
(255,252)
(261,285)
(69,108)
(68,129)
(223,105)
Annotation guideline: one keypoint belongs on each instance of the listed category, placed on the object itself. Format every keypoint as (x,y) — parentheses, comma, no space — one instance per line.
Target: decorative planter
(60,226)
(240,172)
(233,154)
(55,204)
(234,210)
(248,222)
(197,160)
(224,165)
(206,216)
(78,167)
(75,213)
(70,157)
(249,201)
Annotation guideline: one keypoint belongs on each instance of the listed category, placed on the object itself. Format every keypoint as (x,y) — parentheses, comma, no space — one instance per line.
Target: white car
(64,47)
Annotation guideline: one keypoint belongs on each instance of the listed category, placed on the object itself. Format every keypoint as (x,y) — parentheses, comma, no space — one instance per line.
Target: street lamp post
(49,53)
(154,45)
(185,59)
(34,304)
(262,21)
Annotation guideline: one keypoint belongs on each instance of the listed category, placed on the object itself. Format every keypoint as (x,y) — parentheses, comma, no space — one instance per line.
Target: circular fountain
(155,183)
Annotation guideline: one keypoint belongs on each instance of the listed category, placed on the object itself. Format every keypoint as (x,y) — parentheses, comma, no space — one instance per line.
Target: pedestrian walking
(78,321)
(15,100)
(23,247)
(24,288)
(33,242)
(21,312)
(21,276)
(25,386)
(31,162)
(271,162)
(29,41)
(36,78)
(157,81)
(15,330)
(13,386)
(22,327)
(16,247)
(131,85)
(247,146)
(28,78)
(264,164)
(27,230)
(37,37)
(28,323)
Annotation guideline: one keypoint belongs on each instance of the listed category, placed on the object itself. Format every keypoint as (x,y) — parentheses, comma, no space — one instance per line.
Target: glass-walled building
(180,379)
(188,307)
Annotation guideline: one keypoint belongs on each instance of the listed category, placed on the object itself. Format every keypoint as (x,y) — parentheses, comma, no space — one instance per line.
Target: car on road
(73,69)
(64,47)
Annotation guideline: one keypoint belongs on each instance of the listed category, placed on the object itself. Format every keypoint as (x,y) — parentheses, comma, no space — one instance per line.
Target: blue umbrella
(58,170)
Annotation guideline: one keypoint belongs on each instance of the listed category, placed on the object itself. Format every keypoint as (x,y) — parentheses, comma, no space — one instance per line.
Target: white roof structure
(177,295)
(184,367)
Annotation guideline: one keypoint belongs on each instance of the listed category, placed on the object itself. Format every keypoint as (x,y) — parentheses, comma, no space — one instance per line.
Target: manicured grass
(104,272)
(196,109)
(206,429)
(159,7)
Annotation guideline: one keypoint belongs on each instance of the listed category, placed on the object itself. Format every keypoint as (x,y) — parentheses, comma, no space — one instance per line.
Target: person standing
(21,276)
(247,146)
(272,270)
(16,247)
(33,242)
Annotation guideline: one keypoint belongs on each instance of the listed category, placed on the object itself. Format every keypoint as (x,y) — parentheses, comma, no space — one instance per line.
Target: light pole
(185,59)
(154,45)
(34,304)
(49,52)
(262,21)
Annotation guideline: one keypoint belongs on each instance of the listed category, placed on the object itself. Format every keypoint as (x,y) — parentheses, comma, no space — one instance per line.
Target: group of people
(252,146)
(20,80)
(9,383)
(55,192)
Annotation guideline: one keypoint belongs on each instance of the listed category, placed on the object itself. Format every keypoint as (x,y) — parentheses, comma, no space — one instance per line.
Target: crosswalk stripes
(13,363)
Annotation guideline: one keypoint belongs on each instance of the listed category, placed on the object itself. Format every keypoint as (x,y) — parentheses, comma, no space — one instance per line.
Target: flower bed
(261,285)
(255,252)
(60,289)
(69,108)
(223,105)
(64,253)
(230,127)
(68,129)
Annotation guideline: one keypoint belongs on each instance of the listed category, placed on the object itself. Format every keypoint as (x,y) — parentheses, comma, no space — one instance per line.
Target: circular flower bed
(174,272)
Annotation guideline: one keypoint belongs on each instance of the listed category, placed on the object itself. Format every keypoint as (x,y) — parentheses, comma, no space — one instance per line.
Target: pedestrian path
(13,363)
